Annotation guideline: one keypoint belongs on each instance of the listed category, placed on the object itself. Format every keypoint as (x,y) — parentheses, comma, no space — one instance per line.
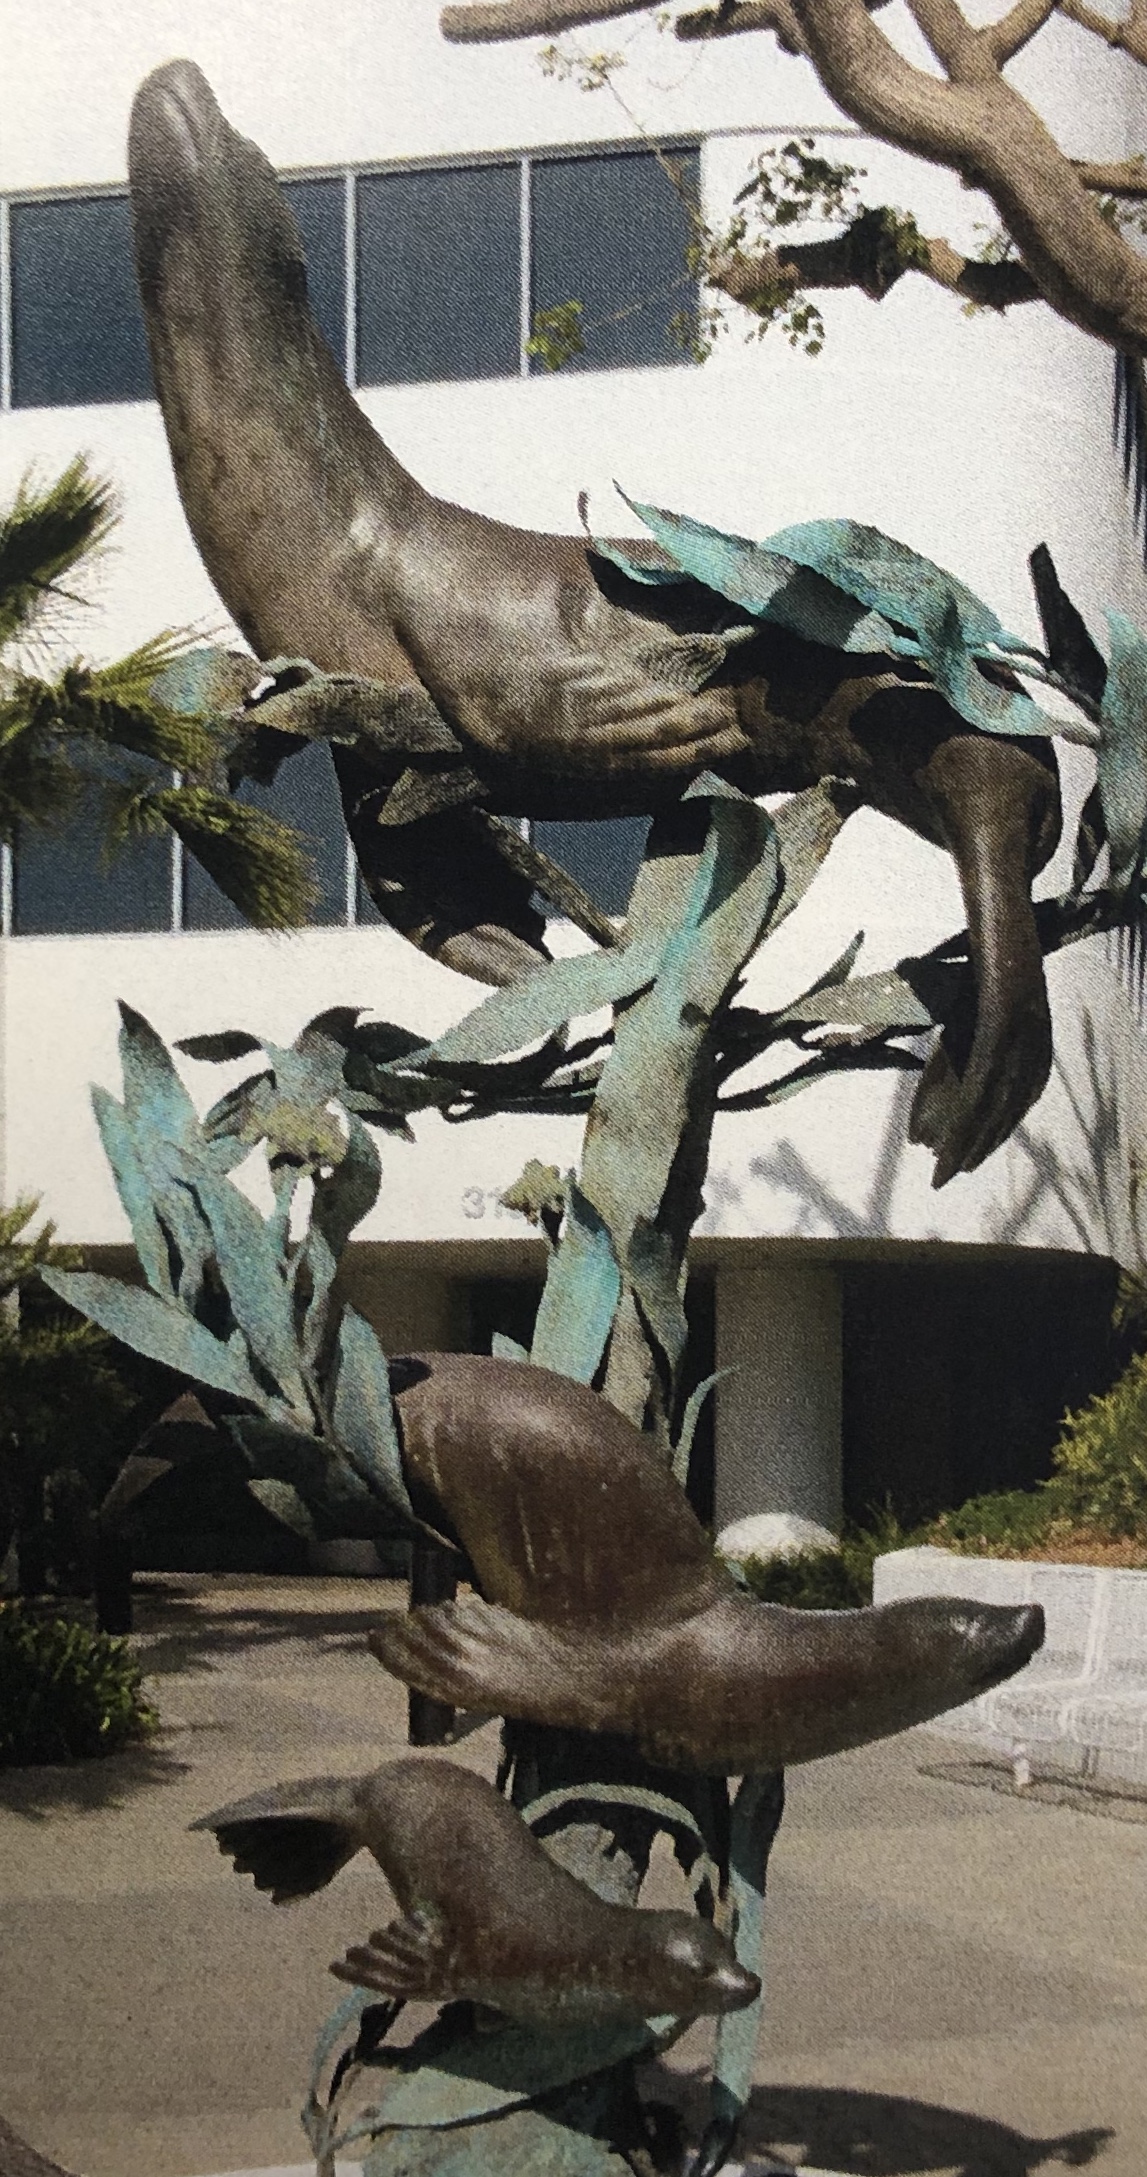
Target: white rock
(773,1534)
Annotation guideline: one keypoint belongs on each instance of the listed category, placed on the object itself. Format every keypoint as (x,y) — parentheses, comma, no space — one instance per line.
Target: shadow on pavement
(886,2135)
(72,1787)
(180,1629)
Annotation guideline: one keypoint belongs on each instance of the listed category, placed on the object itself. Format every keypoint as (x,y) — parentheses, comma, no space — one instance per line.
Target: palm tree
(56,733)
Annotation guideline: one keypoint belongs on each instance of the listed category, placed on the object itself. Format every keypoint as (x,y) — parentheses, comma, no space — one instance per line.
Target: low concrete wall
(1081,1703)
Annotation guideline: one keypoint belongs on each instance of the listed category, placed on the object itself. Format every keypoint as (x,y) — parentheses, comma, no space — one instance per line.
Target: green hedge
(65,1694)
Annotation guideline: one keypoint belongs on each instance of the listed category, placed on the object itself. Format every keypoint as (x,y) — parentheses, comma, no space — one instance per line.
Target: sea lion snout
(702,1975)
(1003,1637)
(175,119)
(964,1647)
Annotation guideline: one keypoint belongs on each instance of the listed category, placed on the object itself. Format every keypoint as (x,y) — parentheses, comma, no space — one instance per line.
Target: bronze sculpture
(607,1609)
(486,1913)
(465,671)
(535,676)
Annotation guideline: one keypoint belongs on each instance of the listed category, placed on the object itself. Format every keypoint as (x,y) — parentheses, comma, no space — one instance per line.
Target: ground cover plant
(66,1694)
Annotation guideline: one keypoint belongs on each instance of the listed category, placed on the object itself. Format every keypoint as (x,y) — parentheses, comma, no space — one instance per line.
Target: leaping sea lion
(555,686)
(486,1913)
(606,1608)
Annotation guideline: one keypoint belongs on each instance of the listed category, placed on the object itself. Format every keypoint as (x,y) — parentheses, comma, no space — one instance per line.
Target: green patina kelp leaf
(217,1049)
(1123,750)
(252,1272)
(580,1296)
(285,1505)
(771,585)
(206,681)
(757,1811)
(881,1004)
(364,1422)
(156,1327)
(458,2076)
(894,580)
(338,1501)
(134,1190)
(540,1003)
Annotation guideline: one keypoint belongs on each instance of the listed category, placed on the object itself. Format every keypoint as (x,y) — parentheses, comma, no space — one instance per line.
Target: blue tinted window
(320,211)
(77,326)
(438,274)
(611,232)
(304,795)
(604,856)
(63,884)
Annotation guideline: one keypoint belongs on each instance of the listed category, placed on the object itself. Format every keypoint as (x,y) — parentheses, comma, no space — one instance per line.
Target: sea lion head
(698,1971)
(960,1648)
(221,265)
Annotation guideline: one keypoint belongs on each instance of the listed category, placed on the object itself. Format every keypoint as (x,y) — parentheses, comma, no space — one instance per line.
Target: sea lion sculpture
(532,676)
(486,1913)
(606,1609)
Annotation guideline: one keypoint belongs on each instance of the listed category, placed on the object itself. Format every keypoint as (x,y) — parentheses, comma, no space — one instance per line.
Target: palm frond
(1129,436)
(111,705)
(261,865)
(45,532)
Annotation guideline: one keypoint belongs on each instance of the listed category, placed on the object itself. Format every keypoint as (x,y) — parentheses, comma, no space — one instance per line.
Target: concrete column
(778,1447)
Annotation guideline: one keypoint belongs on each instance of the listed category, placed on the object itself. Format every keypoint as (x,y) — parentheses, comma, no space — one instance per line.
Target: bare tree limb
(484,22)
(1114,177)
(1017,28)
(991,137)
(970,120)
(1127,34)
(727,22)
(870,255)
(951,37)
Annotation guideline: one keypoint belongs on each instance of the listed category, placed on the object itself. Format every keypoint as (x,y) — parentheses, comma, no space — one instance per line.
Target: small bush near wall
(65,1694)
(1100,1477)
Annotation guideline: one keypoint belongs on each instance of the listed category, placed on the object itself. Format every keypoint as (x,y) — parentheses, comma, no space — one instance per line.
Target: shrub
(65,1694)
(839,1579)
(1100,1462)
(1002,1521)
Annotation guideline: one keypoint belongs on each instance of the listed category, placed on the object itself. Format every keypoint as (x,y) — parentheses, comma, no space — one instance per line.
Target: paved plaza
(957,1977)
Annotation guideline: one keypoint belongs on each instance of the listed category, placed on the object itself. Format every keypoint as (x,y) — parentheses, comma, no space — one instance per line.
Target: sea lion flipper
(293,1838)
(441,882)
(408,1959)
(476,1655)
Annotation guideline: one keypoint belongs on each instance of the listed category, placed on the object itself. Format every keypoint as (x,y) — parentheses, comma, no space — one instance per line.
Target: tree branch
(1016,29)
(950,35)
(1128,35)
(985,132)
(1114,177)
(726,22)
(873,253)
(484,22)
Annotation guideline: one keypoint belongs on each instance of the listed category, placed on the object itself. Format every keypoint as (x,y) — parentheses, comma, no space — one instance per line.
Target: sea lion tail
(473,1654)
(998,808)
(292,1839)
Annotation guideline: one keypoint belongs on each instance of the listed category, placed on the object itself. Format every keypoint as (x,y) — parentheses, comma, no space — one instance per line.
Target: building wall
(971,438)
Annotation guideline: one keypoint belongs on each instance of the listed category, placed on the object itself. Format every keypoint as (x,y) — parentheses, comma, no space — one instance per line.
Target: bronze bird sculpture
(486,1914)
(529,676)
(604,1608)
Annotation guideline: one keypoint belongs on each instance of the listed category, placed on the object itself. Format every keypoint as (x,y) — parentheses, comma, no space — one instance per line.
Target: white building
(444,193)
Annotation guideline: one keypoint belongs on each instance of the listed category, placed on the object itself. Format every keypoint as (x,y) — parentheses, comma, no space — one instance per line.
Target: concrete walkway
(958,1978)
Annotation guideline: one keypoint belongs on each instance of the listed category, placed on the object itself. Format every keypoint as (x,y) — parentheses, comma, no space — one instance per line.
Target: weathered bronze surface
(486,1913)
(567,690)
(606,1609)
